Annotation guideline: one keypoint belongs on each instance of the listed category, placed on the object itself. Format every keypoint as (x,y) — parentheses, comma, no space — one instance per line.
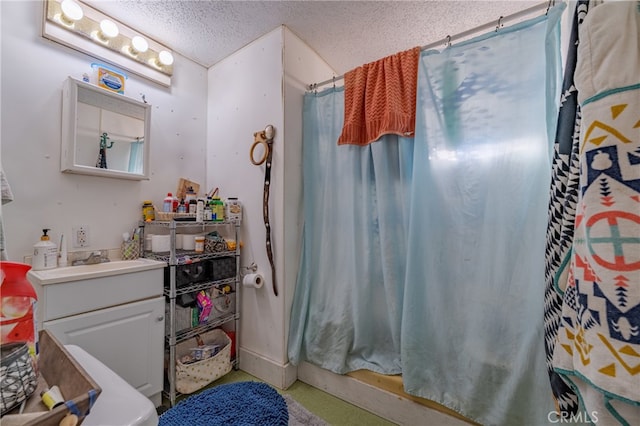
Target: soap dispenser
(45,253)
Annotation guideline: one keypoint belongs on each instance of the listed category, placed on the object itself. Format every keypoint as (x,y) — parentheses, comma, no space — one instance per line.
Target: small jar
(148,214)
(199,244)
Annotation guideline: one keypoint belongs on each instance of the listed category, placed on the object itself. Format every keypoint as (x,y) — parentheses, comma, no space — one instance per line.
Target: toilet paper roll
(253,280)
(147,242)
(188,242)
(160,243)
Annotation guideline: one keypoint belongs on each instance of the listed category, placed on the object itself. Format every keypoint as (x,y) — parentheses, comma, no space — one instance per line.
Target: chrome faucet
(93,259)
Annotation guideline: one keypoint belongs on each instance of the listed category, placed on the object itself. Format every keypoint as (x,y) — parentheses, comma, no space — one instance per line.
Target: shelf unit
(175,258)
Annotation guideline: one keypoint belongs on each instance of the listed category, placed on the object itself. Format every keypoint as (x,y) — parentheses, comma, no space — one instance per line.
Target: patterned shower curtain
(562,212)
(597,342)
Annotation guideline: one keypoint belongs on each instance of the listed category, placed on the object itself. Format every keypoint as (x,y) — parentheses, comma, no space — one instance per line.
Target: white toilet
(119,404)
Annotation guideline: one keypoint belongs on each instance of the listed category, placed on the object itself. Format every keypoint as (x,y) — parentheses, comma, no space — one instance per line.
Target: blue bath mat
(233,404)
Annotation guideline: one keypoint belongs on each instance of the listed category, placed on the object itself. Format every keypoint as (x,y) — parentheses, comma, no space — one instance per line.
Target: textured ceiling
(345,34)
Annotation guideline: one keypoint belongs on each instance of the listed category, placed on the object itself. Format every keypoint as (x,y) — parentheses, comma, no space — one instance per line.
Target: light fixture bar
(114,42)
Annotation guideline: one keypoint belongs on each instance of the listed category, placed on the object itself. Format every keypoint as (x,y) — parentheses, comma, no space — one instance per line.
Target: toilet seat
(119,404)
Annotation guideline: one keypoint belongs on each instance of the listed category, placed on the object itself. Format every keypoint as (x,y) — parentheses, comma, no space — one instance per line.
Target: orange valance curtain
(380,98)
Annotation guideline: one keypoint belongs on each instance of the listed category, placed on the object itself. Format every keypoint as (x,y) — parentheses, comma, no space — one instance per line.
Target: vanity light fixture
(81,27)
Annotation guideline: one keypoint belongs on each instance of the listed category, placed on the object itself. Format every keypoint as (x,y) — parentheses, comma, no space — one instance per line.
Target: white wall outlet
(80,236)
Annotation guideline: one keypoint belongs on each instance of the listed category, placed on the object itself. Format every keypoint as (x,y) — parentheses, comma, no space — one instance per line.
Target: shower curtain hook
(499,23)
(448,42)
(551,3)
(334,81)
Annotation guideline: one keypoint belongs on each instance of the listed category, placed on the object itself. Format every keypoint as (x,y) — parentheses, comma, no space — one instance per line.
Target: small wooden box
(56,367)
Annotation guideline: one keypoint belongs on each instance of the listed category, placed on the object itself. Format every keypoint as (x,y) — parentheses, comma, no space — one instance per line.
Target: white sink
(84,272)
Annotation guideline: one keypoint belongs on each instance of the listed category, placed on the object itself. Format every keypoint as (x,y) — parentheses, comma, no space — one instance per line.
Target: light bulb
(138,45)
(108,29)
(71,12)
(165,58)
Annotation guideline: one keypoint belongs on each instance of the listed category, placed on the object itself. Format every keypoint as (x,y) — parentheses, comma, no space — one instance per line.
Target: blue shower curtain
(348,301)
(425,256)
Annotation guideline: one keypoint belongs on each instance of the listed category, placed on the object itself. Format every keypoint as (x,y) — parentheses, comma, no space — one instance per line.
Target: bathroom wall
(259,85)
(33,70)
(263,84)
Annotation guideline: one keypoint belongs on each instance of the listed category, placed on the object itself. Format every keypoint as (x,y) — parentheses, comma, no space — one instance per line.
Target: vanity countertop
(86,272)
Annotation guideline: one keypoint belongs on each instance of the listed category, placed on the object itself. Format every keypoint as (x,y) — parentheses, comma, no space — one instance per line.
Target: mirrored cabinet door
(104,133)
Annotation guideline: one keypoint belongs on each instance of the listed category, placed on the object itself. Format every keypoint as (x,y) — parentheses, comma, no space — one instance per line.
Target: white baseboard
(280,376)
(378,401)
(156,399)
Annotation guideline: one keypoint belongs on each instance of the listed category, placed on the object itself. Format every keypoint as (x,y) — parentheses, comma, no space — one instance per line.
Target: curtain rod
(448,39)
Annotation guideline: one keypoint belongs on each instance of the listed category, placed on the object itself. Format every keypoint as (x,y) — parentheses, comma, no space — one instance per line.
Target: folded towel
(7,195)
(380,98)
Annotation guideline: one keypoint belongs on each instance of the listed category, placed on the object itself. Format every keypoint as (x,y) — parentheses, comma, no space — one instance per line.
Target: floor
(332,410)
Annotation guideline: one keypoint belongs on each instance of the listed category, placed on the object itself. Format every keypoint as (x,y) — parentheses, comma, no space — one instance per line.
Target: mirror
(104,133)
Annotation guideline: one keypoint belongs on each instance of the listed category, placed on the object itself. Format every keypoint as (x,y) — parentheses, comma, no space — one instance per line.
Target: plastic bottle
(182,207)
(218,209)
(200,210)
(208,212)
(148,214)
(199,244)
(167,204)
(18,306)
(45,253)
(174,204)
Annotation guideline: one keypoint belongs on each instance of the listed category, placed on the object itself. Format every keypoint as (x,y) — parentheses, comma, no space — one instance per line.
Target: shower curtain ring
(448,42)
(499,23)
(334,81)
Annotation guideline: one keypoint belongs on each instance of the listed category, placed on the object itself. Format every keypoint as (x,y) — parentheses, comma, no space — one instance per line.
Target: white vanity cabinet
(116,315)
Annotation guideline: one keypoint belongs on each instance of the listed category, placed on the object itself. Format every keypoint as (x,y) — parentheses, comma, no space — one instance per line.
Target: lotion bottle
(45,253)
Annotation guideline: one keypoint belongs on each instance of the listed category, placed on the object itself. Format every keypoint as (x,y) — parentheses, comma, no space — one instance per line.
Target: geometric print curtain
(562,211)
(596,347)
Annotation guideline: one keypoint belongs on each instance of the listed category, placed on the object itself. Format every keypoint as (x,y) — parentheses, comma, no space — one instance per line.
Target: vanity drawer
(75,297)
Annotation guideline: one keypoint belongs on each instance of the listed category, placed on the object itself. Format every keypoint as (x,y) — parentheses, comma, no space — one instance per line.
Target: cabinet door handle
(160,318)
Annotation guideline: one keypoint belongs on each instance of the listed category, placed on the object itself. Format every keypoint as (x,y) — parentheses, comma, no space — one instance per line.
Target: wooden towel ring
(264,138)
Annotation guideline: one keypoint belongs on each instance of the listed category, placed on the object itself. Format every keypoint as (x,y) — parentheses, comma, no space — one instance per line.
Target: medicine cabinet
(104,133)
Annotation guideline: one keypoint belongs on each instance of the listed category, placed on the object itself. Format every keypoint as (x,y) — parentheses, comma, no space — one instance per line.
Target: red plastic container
(17,306)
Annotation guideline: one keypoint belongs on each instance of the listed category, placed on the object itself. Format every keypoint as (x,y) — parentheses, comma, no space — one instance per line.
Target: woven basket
(130,250)
(194,376)
(17,376)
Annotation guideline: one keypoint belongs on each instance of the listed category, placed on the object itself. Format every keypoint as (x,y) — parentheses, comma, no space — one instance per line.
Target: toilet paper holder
(251,269)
